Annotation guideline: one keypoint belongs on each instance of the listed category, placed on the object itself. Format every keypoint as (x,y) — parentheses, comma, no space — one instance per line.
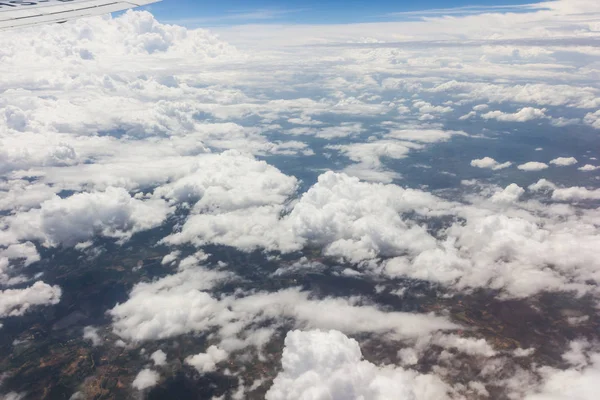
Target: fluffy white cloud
(574,193)
(181,303)
(13,254)
(159,357)
(490,163)
(588,167)
(15,302)
(91,333)
(145,379)
(476,347)
(236,201)
(523,115)
(578,382)
(541,185)
(510,194)
(564,161)
(427,108)
(533,166)
(423,135)
(593,119)
(348,218)
(186,306)
(368,158)
(358,220)
(319,364)
(207,362)
(112,213)
(507,244)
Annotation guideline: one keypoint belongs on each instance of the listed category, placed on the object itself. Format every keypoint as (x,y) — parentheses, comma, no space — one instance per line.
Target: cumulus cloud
(358,220)
(523,115)
(577,382)
(564,161)
(368,157)
(15,302)
(182,303)
(317,364)
(145,379)
(349,218)
(207,362)
(91,333)
(574,193)
(427,108)
(236,201)
(502,232)
(510,194)
(588,167)
(112,213)
(490,163)
(159,357)
(533,166)
(25,253)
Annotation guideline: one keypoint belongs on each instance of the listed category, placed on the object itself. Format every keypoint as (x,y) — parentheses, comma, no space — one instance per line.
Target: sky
(349,205)
(233,12)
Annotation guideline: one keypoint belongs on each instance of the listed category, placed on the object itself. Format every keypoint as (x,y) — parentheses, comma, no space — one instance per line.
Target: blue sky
(234,12)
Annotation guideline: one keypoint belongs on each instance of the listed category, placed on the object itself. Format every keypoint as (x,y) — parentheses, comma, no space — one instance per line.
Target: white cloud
(576,193)
(159,357)
(476,347)
(564,161)
(510,194)
(180,304)
(520,352)
(507,245)
(578,382)
(541,185)
(490,163)
(427,108)
(523,115)
(145,379)
(358,220)
(13,396)
(112,213)
(206,362)
(185,306)
(533,166)
(351,219)
(593,119)
(588,167)
(368,158)
(423,135)
(317,364)
(91,333)
(14,254)
(15,302)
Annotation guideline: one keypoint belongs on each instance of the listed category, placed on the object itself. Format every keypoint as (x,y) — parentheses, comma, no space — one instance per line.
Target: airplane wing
(22,13)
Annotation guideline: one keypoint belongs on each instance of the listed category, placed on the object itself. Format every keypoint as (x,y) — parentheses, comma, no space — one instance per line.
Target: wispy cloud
(238,17)
(466,10)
